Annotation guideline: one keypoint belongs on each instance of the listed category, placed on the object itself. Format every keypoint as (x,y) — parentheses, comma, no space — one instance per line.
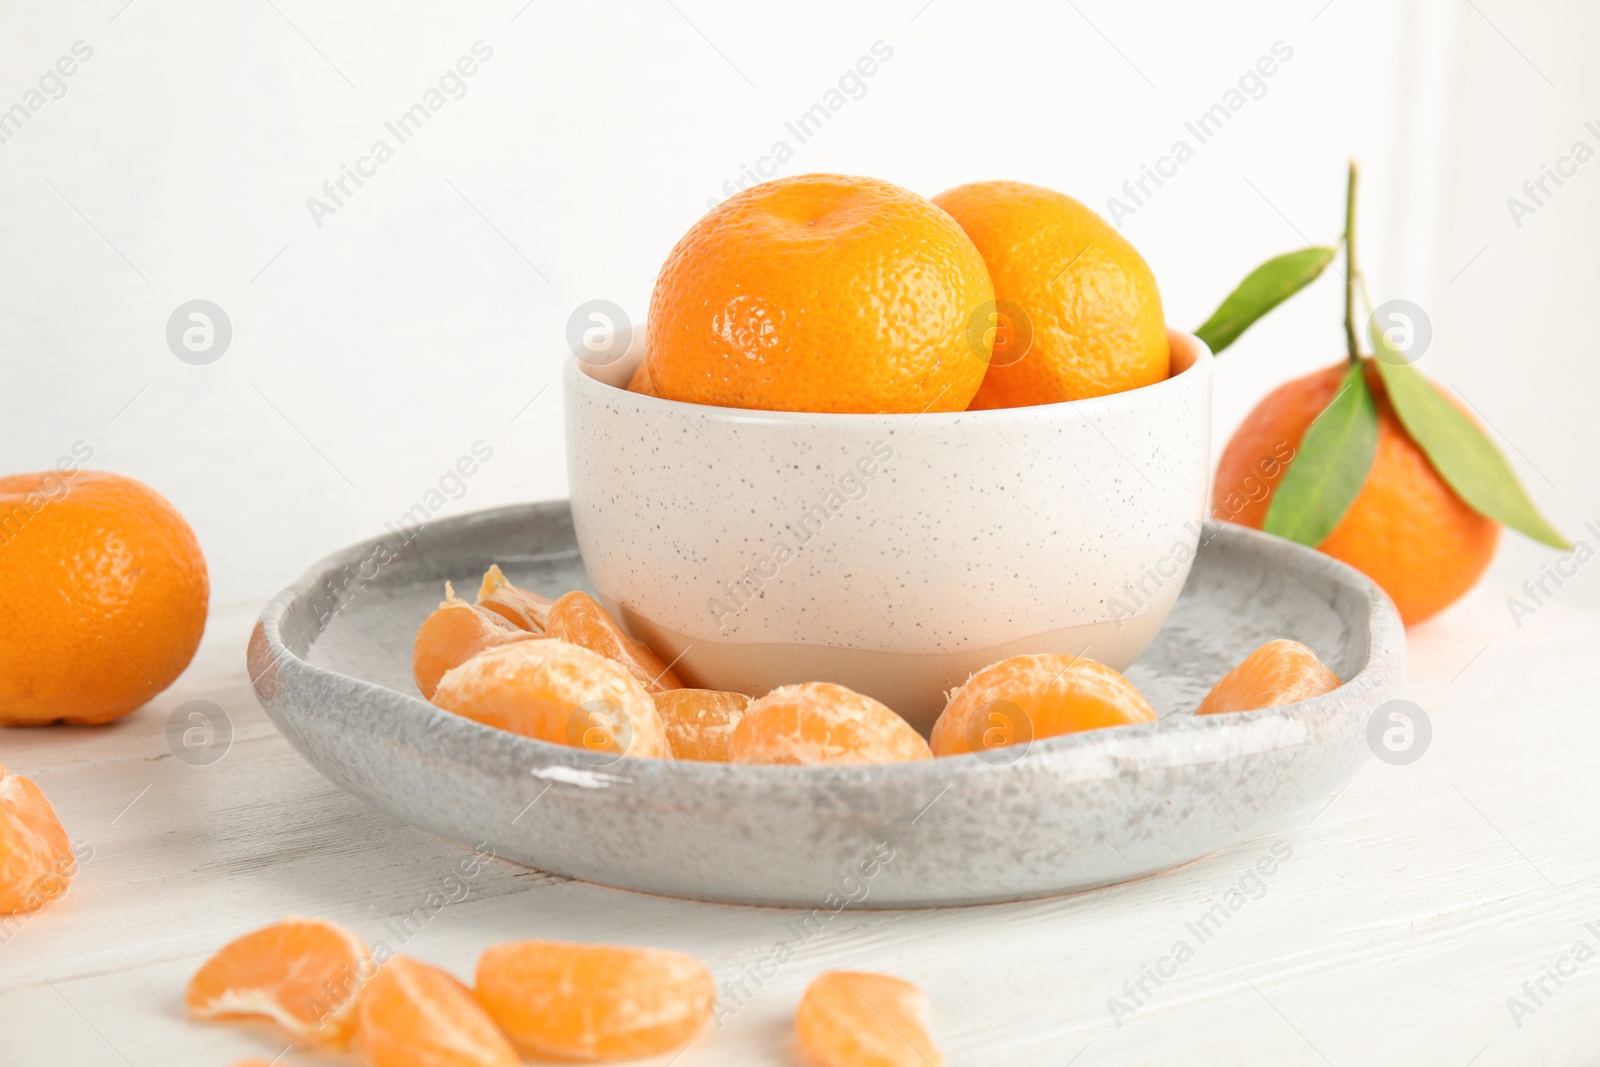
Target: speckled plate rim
(1177,740)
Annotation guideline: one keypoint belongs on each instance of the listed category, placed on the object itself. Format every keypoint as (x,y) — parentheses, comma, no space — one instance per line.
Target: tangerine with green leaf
(1406,529)
(1367,460)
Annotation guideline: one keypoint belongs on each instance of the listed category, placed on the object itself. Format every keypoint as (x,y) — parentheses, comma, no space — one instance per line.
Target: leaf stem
(1350,271)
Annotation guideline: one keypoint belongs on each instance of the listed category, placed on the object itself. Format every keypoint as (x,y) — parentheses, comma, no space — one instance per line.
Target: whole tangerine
(640,382)
(106,594)
(1077,313)
(822,292)
(1407,530)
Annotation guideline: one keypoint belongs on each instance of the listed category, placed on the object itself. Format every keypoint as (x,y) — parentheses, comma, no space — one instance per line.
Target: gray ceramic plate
(331,663)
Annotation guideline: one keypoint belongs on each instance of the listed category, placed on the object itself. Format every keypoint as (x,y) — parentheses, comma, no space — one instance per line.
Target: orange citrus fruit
(819,722)
(304,974)
(105,592)
(414,1015)
(454,633)
(1077,310)
(1027,697)
(700,722)
(557,692)
(822,292)
(577,617)
(36,858)
(860,1019)
(557,1000)
(1279,672)
(522,608)
(1406,530)
(640,382)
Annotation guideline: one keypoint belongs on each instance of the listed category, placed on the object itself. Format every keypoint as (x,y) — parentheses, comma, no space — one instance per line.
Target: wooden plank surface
(1393,927)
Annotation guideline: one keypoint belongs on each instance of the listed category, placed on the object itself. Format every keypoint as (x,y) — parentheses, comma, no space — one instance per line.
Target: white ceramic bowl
(895,554)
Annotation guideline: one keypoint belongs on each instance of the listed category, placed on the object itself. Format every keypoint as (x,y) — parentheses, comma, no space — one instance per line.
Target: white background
(368,354)
(427,313)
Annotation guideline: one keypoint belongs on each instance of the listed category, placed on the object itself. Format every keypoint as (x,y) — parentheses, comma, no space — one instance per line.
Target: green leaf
(1263,289)
(1329,468)
(1463,454)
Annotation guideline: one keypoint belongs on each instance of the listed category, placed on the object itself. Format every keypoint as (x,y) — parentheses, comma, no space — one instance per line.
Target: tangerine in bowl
(800,468)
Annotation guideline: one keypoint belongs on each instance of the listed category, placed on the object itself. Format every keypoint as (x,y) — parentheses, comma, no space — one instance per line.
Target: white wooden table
(1411,908)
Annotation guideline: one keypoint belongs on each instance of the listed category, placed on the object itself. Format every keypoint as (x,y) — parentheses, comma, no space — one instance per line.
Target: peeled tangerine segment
(557,692)
(860,1019)
(1026,697)
(1279,672)
(304,974)
(523,608)
(453,634)
(579,618)
(700,722)
(819,722)
(594,1002)
(36,859)
(414,1015)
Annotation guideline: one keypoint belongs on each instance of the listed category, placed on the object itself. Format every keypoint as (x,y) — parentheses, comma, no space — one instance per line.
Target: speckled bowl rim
(576,377)
(1212,739)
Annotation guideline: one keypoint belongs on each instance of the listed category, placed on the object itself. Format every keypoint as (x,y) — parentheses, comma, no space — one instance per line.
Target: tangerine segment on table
(594,1002)
(304,974)
(577,617)
(105,592)
(860,1019)
(1407,530)
(1090,320)
(523,608)
(556,691)
(36,858)
(414,1015)
(1027,697)
(700,722)
(454,633)
(819,723)
(1279,672)
(822,292)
